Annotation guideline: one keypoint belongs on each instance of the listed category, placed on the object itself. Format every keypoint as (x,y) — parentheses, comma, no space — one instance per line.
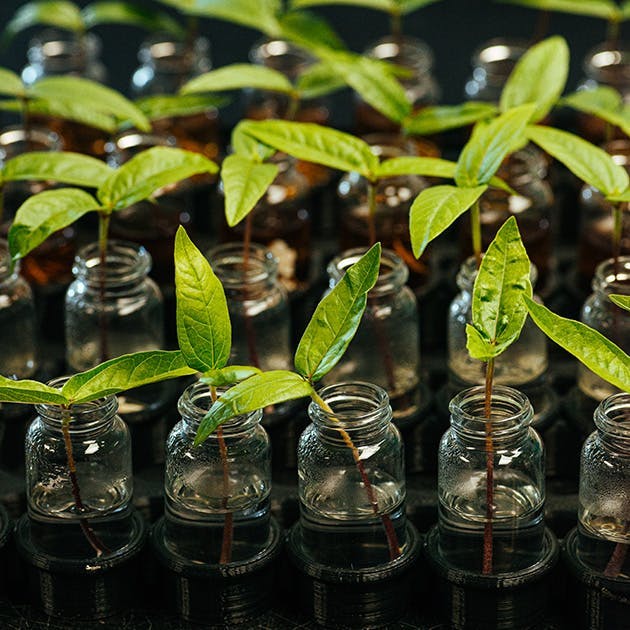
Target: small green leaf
(336,318)
(238,76)
(309,31)
(444,117)
(434,209)
(408,6)
(260,15)
(245,146)
(43,214)
(623,301)
(204,331)
(11,84)
(539,77)
(606,9)
(148,171)
(597,353)
(498,310)
(130,15)
(29,392)
(623,197)
(244,184)
(229,375)
(588,162)
(257,392)
(174,105)
(68,168)
(379,5)
(488,146)
(318,80)
(604,102)
(625,9)
(65,15)
(315,143)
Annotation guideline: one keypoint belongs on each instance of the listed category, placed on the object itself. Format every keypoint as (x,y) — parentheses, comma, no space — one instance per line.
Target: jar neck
(610,66)
(612,419)
(282,56)
(510,417)
(407,52)
(61,53)
(494,61)
(7,275)
(126,145)
(613,278)
(17,140)
(619,149)
(468,273)
(126,265)
(169,56)
(392,276)
(362,410)
(195,403)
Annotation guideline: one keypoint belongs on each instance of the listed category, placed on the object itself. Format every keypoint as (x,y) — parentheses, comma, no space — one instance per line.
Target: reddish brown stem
(372,212)
(487,531)
(103,227)
(617,560)
(384,350)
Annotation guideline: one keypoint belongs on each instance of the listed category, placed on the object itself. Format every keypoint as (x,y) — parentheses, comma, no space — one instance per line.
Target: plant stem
(617,560)
(192,29)
(487,531)
(613,33)
(475,229)
(1,204)
(542,25)
(372,212)
(94,541)
(395,21)
(390,534)
(617,233)
(103,228)
(292,108)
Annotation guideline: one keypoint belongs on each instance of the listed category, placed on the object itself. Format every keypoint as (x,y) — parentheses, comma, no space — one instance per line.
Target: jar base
(355,598)
(512,601)
(211,594)
(598,602)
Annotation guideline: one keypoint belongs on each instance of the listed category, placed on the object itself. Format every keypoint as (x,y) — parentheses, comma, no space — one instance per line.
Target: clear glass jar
(281,221)
(421,87)
(229,474)
(341,520)
(518,483)
(604,510)
(523,363)
(125,316)
(613,322)
(492,64)
(389,328)
(18,328)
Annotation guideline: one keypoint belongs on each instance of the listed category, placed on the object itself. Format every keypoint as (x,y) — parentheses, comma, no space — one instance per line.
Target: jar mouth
(126,144)
(612,416)
(281,55)
(164,50)
(619,150)
(125,263)
(408,52)
(609,65)
(60,46)
(14,139)
(468,273)
(611,277)
(228,263)
(496,58)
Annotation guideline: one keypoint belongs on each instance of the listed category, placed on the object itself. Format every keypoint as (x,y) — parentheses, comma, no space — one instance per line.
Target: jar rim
(603,59)
(51,45)
(413,48)
(619,150)
(228,263)
(14,134)
(268,50)
(608,280)
(498,49)
(612,415)
(132,139)
(163,48)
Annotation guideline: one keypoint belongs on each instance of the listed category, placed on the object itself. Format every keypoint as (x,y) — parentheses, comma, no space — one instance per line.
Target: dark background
(453,29)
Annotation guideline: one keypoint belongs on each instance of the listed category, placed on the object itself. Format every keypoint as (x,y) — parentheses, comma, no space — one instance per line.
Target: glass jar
(123,316)
(18,329)
(420,86)
(229,474)
(518,483)
(492,64)
(612,321)
(341,517)
(523,363)
(281,221)
(604,510)
(390,328)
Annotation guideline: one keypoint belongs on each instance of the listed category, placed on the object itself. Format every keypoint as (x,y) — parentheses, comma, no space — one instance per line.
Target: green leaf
(318,80)
(148,171)
(408,6)
(597,353)
(260,15)
(131,15)
(244,184)
(434,209)
(29,392)
(588,162)
(498,310)
(489,144)
(68,168)
(623,197)
(174,105)
(625,9)
(238,76)
(604,102)
(257,392)
(337,318)
(123,373)
(11,84)
(315,143)
(247,147)
(309,30)
(43,214)
(444,117)
(78,91)
(204,331)
(539,77)
(229,375)
(378,5)
(623,301)
(65,15)
(606,9)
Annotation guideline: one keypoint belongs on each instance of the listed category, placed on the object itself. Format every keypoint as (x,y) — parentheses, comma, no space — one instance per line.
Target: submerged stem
(487,531)
(372,212)
(292,108)
(475,225)
(617,560)
(103,228)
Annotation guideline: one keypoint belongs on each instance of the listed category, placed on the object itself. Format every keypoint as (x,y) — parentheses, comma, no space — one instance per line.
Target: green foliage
(622,301)
(605,103)
(498,309)
(30,392)
(174,105)
(440,118)
(11,84)
(318,80)
(393,7)
(58,13)
(310,31)
(606,9)
(229,375)
(237,76)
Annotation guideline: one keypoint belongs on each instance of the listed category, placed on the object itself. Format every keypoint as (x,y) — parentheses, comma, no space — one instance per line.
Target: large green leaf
(244,184)
(443,117)
(174,105)
(204,331)
(379,5)
(11,84)
(606,9)
(83,92)
(407,6)
(124,373)
(318,80)
(260,15)
(113,12)
(43,214)
(315,143)
(434,209)
(248,147)
(229,375)
(604,102)
(257,392)
(29,392)
(238,76)
(539,77)
(590,163)
(590,347)
(148,171)
(623,301)
(498,310)
(309,31)
(58,13)
(337,318)
(65,167)
(489,144)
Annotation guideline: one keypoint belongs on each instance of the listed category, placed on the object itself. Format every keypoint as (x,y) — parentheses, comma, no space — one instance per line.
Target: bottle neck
(407,52)
(64,53)
(612,419)
(609,66)
(281,55)
(17,140)
(126,145)
(171,57)
(493,63)
(611,277)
